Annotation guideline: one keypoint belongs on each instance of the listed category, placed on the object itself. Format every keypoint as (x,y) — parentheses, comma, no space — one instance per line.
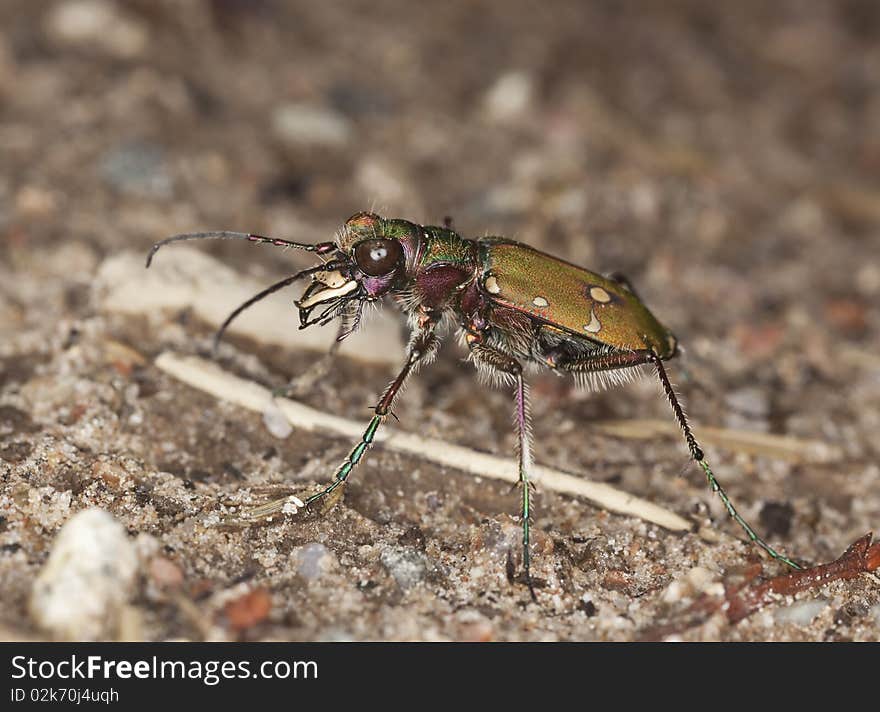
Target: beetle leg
(423,345)
(631,359)
(624,282)
(494,360)
(303,382)
(524,435)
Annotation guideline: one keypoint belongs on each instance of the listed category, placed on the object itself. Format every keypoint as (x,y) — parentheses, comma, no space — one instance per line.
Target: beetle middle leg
(495,361)
(619,360)
(423,345)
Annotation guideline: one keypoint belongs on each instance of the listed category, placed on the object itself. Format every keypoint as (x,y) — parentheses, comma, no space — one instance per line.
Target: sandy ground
(726,160)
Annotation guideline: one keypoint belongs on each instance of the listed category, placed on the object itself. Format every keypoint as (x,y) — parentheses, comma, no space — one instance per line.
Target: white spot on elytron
(540,302)
(594,326)
(492,285)
(600,295)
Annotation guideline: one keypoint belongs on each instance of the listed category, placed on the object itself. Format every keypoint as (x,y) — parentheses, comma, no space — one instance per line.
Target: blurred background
(725,156)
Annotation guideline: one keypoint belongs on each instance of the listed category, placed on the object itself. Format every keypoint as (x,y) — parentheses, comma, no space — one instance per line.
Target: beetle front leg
(494,361)
(631,359)
(423,345)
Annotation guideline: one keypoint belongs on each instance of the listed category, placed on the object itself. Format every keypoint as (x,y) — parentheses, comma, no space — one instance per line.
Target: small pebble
(406,565)
(509,96)
(695,582)
(474,627)
(165,572)
(85,583)
(847,315)
(138,169)
(675,591)
(276,422)
(292,505)
(248,610)
(97,24)
(700,579)
(748,409)
(312,561)
(801,612)
(33,201)
(308,125)
(867,279)
(382,180)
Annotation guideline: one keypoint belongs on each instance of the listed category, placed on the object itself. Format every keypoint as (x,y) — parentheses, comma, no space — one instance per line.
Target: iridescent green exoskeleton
(511,304)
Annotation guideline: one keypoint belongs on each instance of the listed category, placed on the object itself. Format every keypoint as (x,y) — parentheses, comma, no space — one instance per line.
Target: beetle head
(371,260)
(368,258)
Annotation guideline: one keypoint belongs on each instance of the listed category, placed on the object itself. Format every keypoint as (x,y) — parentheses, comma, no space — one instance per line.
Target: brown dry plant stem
(861,557)
(750,595)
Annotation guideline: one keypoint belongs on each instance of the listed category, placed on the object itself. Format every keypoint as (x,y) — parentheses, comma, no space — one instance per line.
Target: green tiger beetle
(512,305)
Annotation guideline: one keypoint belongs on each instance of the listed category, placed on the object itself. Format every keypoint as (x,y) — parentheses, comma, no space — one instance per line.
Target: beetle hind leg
(498,365)
(524,440)
(621,360)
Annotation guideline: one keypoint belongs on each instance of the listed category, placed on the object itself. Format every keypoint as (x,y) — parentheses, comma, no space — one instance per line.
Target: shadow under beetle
(513,307)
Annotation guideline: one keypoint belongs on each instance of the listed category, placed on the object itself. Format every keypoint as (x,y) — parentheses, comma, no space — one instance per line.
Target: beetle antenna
(262,295)
(321,248)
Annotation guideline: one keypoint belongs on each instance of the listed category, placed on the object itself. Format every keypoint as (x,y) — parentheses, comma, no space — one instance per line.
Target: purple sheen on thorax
(436,284)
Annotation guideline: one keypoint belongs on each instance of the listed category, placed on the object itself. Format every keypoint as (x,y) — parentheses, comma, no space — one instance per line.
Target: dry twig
(751,595)
(754,443)
(208,377)
(861,557)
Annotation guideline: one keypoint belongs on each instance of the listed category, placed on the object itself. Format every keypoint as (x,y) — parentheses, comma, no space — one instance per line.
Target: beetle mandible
(513,306)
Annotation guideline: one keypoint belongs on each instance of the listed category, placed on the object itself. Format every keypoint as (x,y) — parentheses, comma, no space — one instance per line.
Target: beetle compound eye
(377,257)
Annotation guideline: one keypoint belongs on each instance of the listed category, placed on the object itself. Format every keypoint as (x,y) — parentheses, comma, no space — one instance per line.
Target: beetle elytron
(513,307)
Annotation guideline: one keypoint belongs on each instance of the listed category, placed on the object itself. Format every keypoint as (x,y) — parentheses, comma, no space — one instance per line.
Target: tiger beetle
(512,306)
